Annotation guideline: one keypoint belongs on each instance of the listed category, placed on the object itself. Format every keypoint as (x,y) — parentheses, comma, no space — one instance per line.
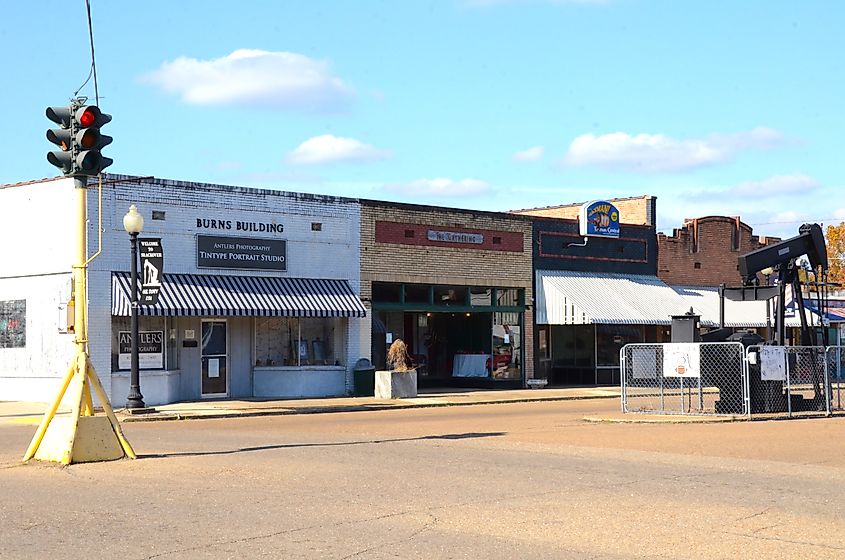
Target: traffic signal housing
(79,138)
(62,137)
(89,140)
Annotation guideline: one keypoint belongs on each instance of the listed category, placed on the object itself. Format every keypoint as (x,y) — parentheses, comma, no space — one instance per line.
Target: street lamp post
(133,223)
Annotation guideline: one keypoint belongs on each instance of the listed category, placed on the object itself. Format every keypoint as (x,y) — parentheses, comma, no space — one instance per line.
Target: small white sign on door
(388,338)
(213,367)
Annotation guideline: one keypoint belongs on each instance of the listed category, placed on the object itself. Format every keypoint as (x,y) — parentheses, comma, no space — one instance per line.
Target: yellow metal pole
(80,290)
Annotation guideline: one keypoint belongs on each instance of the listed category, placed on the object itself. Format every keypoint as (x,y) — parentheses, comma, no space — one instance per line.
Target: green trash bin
(364,377)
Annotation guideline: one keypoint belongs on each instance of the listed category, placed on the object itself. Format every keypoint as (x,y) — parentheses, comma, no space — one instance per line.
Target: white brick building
(228,324)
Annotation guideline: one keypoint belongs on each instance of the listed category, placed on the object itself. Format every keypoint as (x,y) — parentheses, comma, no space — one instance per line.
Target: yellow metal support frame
(68,446)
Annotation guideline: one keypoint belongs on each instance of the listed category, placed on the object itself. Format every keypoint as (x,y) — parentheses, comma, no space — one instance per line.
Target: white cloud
(531,154)
(775,186)
(255,78)
(440,187)
(329,149)
(655,153)
(771,187)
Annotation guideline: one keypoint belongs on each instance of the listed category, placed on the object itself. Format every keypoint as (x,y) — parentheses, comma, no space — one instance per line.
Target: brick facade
(386,255)
(704,251)
(640,210)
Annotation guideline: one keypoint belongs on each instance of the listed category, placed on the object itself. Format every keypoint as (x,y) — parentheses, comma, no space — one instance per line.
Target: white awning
(199,295)
(738,314)
(580,298)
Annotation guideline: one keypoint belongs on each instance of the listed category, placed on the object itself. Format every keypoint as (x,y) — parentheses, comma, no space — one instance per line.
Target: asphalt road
(523,481)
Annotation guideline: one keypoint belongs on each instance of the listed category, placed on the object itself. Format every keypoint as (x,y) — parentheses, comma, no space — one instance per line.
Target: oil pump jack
(783,258)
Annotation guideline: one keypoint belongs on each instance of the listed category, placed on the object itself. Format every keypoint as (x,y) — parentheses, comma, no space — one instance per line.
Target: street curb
(170,416)
(665,419)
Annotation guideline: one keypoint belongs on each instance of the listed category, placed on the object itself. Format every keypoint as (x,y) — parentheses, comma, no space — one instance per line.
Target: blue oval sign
(599,219)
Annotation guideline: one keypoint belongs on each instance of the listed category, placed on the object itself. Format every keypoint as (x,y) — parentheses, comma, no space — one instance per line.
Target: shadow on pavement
(468,435)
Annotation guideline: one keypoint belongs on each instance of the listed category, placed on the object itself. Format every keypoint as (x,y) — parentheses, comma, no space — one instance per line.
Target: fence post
(827,387)
(623,374)
(788,386)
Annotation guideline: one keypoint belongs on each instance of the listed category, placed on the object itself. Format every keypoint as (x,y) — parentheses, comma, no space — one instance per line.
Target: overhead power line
(92,72)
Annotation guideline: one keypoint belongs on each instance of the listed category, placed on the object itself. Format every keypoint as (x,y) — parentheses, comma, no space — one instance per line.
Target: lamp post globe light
(133,223)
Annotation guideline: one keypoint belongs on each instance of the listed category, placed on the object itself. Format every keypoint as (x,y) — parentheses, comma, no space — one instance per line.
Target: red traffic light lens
(87,118)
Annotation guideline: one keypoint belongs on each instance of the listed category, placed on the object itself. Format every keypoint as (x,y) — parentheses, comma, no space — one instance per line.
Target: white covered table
(470,365)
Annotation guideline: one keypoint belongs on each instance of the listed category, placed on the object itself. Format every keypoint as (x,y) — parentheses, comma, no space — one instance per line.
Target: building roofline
(571,204)
(428,207)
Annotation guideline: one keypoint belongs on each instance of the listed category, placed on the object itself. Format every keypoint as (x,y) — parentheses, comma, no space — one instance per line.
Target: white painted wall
(332,252)
(39,217)
(37,229)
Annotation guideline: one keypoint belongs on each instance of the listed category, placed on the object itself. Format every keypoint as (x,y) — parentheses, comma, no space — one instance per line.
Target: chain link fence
(836,374)
(789,379)
(728,379)
(707,378)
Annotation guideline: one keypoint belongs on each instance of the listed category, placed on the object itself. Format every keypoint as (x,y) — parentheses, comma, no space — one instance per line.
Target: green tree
(836,253)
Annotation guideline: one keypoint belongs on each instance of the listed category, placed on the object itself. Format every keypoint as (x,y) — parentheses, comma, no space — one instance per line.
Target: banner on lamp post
(152,268)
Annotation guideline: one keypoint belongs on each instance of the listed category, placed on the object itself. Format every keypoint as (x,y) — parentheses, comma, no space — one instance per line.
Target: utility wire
(93,69)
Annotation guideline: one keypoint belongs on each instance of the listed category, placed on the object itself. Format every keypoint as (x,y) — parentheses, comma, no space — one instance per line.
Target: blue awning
(200,295)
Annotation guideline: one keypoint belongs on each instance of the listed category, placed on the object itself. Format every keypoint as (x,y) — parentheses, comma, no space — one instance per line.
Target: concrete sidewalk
(25,412)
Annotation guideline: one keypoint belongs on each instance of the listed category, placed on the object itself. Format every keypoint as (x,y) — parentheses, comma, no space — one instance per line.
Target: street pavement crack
(782,540)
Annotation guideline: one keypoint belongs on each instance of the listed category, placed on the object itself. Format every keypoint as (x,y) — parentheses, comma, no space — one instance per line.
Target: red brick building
(704,251)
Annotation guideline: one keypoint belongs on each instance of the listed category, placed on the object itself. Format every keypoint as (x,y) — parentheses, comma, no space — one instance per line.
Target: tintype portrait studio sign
(241,252)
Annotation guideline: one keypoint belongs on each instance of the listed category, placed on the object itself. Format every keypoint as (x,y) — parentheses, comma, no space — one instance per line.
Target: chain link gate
(701,378)
(789,379)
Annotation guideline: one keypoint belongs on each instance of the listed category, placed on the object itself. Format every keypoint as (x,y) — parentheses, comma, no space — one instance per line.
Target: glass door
(214,359)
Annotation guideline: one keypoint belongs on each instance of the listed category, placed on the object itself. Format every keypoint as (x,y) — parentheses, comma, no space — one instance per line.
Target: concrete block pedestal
(396,384)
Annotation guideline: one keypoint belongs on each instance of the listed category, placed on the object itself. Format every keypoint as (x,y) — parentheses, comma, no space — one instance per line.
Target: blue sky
(715,107)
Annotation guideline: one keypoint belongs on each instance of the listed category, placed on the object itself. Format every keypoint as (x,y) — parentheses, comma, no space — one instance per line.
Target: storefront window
(611,338)
(416,293)
(507,346)
(389,293)
(153,334)
(387,327)
(507,297)
(291,341)
(481,296)
(171,353)
(444,295)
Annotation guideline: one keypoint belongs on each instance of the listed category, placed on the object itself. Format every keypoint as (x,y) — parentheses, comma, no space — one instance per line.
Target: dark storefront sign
(13,323)
(150,349)
(152,267)
(241,252)
(455,237)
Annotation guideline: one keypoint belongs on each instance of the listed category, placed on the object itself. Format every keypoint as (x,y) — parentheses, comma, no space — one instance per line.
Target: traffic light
(79,138)
(89,141)
(62,137)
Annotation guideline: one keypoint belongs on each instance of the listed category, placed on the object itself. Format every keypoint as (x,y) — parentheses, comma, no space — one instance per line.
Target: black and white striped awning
(200,295)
